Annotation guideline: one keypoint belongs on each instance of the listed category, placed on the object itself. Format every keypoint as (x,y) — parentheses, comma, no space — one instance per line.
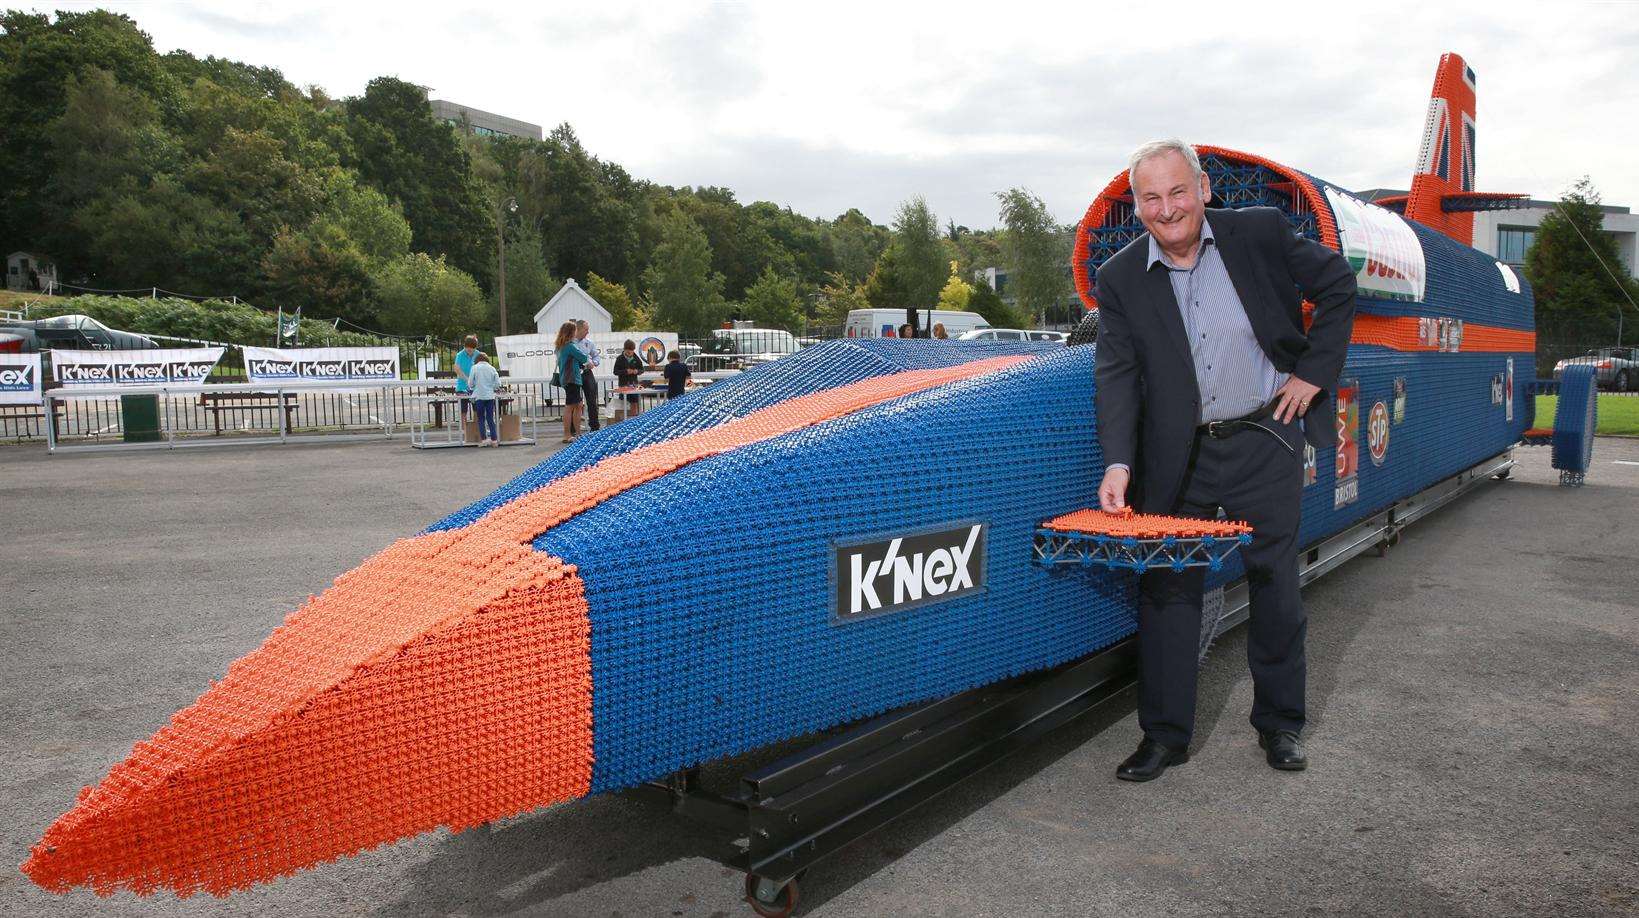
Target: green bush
(212,320)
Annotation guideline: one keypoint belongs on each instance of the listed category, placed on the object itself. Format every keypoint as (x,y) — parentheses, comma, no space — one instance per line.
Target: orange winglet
(1126,523)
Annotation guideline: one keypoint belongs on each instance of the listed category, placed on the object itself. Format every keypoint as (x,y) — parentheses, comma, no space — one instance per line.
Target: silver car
(1615,368)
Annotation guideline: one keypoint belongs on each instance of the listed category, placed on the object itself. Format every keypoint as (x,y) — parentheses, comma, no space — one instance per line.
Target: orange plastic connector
(1126,523)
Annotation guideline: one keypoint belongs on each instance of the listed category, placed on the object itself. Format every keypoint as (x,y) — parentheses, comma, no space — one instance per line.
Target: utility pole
(510,205)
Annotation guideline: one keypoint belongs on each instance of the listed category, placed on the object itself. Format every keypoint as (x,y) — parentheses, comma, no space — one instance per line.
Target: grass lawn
(1618,414)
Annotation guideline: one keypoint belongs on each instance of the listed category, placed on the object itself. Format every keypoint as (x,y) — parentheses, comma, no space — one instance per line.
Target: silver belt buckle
(1213,428)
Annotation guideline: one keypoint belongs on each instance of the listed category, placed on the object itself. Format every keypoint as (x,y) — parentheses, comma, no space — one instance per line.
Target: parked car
(74,332)
(1615,368)
(742,348)
(884,323)
(1013,334)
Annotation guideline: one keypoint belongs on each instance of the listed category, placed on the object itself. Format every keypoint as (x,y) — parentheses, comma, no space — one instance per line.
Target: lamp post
(508,206)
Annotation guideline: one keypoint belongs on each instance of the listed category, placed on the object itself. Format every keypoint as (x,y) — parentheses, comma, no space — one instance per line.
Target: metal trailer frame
(785,816)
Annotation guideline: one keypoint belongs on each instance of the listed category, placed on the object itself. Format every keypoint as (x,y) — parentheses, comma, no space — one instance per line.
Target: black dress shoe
(1284,751)
(1150,760)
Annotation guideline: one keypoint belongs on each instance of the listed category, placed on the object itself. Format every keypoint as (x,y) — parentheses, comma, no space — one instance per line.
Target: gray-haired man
(1204,372)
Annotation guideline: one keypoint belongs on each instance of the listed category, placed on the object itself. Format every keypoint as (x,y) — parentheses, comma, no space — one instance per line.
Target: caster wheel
(769,899)
(1503,475)
(1394,538)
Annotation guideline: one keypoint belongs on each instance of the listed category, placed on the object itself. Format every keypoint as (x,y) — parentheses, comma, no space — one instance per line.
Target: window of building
(1513,242)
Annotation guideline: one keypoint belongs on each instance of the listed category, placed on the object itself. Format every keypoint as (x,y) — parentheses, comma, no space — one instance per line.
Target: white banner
(182,366)
(19,379)
(525,356)
(530,356)
(1382,248)
(327,364)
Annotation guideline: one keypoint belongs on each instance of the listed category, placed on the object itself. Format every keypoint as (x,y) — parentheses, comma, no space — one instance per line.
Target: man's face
(581,331)
(1171,201)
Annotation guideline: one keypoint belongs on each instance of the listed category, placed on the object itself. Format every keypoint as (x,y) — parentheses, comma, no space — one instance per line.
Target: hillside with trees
(210,177)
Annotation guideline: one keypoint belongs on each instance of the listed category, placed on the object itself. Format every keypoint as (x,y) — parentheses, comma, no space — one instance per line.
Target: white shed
(569,304)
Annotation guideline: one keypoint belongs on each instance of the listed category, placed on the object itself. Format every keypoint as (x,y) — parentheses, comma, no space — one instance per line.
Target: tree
(321,270)
(956,294)
(856,243)
(838,298)
(411,157)
(1035,251)
(921,261)
(1571,266)
(687,293)
(618,300)
(528,282)
(988,303)
(772,302)
(420,295)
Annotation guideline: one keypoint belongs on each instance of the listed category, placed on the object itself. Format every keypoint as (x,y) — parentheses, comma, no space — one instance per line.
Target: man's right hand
(1112,493)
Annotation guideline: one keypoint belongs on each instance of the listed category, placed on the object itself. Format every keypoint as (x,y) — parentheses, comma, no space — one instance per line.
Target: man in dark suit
(1204,377)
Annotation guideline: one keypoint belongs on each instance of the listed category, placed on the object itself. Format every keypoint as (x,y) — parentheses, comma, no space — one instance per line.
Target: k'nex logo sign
(891,575)
(16,379)
(86,373)
(264,368)
(336,368)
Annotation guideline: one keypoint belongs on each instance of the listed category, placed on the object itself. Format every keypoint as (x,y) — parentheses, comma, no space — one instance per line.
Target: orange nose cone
(444,682)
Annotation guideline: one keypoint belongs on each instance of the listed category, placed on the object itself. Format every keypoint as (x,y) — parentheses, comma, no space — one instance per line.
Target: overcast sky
(828,106)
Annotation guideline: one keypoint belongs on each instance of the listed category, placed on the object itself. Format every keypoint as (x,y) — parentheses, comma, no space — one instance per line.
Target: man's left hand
(1293,399)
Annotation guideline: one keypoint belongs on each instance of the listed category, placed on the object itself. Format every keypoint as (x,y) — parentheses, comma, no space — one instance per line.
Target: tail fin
(1445,165)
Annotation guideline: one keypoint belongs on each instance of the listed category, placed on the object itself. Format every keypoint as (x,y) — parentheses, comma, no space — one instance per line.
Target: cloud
(824,107)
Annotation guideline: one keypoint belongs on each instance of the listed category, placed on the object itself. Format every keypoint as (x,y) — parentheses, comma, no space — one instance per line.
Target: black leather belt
(1220,430)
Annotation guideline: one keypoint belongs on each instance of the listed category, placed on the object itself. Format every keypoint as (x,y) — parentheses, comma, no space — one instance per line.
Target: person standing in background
(464,359)
(483,381)
(627,367)
(570,360)
(677,375)
(589,382)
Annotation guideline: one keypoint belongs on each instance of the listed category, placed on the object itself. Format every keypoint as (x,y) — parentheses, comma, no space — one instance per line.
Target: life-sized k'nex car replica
(851,529)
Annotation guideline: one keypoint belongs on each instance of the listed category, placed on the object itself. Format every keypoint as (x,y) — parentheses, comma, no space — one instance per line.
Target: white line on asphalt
(1623,462)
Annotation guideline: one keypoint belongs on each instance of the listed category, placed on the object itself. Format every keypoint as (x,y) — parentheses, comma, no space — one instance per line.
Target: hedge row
(211,320)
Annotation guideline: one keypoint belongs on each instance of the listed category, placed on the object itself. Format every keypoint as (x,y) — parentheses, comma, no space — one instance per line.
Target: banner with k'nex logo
(321,364)
(19,379)
(181,366)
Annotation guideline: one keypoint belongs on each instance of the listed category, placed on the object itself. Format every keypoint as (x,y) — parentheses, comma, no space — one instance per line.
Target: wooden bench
(218,402)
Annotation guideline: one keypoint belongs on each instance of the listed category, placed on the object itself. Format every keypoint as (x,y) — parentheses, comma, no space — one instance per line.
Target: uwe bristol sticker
(891,575)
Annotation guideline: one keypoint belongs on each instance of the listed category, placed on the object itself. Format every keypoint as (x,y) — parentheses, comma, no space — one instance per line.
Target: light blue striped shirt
(1234,375)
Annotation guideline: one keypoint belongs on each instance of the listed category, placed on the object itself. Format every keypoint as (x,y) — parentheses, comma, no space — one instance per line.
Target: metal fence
(1616,369)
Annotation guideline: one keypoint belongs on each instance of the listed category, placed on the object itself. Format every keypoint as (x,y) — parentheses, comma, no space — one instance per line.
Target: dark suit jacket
(1147,396)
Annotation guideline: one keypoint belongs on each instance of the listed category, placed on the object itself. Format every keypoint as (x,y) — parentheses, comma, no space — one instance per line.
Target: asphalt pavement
(1474,701)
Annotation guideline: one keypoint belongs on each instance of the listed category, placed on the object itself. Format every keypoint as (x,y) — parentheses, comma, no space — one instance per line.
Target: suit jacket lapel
(1158,290)
(1232,249)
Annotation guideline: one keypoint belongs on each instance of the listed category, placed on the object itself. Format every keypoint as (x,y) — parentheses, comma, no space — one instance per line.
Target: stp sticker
(1377,433)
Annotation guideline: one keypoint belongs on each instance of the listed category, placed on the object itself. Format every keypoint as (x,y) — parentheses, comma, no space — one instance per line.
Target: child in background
(677,374)
(484,381)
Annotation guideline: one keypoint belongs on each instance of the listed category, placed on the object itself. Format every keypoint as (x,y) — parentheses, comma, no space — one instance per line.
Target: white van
(884,323)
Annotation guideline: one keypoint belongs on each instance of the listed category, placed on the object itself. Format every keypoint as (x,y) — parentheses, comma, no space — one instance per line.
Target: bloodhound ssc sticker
(1399,399)
(1377,433)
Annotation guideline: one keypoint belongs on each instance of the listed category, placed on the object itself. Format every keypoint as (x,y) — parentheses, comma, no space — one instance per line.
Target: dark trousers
(1256,478)
(589,388)
(485,409)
